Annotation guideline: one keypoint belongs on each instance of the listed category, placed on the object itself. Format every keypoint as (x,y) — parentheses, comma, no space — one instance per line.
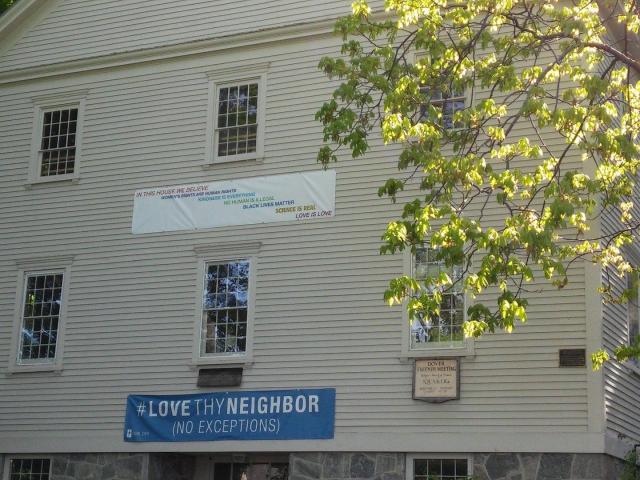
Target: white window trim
(410,457)
(30,456)
(27,267)
(217,254)
(55,102)
(466,347)
(218,78)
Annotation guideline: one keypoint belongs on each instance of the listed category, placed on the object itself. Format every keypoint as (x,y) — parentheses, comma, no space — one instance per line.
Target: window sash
(237,118)
(40,317)
(440,469)
(58,141)
(29,468)
(445,329)
(225,308)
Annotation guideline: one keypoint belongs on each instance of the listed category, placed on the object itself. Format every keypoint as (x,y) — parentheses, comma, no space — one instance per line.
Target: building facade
(102,101)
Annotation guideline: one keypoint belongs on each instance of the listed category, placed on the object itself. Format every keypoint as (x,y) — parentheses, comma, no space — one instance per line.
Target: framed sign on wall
(436,379)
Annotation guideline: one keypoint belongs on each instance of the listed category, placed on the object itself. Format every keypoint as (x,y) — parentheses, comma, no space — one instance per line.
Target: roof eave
(16,14)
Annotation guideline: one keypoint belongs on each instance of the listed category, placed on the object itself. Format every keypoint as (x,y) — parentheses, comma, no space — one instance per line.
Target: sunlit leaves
(545,144)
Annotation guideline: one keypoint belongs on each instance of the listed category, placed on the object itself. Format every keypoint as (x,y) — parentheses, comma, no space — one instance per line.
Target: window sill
(73,179)
(466,350)
(235,360)
(231,161)
(34,368)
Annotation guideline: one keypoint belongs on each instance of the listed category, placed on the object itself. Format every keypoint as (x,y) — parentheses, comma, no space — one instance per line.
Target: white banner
(276,198)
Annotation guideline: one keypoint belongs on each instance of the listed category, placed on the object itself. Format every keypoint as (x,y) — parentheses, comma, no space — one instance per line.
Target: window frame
(411,457)
(6,474)
(52,103)
(465,348)
(26,268)
(220,254)
(224,77)
(466,95)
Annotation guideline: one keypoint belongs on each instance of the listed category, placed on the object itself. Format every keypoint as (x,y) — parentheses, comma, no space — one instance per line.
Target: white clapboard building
(186,295)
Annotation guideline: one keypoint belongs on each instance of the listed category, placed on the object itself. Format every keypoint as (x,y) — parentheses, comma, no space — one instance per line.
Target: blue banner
(242,415)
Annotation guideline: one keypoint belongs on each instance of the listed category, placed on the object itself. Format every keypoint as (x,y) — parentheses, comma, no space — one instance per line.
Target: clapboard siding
(76,29)
(622,381)
(320,319)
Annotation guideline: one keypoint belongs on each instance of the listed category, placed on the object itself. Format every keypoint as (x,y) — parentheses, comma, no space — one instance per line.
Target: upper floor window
(236,119)
(57,155)
(236,130)
(443,330)
(29,469)
(447,103)
(41,308)
(57,137)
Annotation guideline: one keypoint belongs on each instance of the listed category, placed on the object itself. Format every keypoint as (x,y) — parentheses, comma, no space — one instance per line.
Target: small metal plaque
(436,380)
(219,377)
(573,357)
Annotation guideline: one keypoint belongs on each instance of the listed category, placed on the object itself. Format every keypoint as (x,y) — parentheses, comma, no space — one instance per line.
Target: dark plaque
(219,377)
(573,357)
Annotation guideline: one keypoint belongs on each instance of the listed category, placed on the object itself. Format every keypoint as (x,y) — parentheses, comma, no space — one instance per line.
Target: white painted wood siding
(75,29)
(320,320)
(622,381)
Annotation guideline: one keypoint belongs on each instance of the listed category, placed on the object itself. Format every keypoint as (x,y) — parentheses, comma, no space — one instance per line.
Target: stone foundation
(487,466)
(546,466)
(340,466)
(171,466)
(100,466)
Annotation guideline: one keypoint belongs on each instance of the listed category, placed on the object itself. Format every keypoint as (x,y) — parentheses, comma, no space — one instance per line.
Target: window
(225,298)
(237,119)
(29,469)
(57,135)
(447,103)
(40,312)
(57,154)
(42,304)
(236,114)
(443,330)
(225,308)
(441,469)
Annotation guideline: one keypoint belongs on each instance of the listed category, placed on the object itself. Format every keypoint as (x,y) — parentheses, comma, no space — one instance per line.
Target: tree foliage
(5,4)
(546,142)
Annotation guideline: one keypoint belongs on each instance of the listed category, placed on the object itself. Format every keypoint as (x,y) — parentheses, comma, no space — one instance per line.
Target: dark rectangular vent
(573,357)
(219,377)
